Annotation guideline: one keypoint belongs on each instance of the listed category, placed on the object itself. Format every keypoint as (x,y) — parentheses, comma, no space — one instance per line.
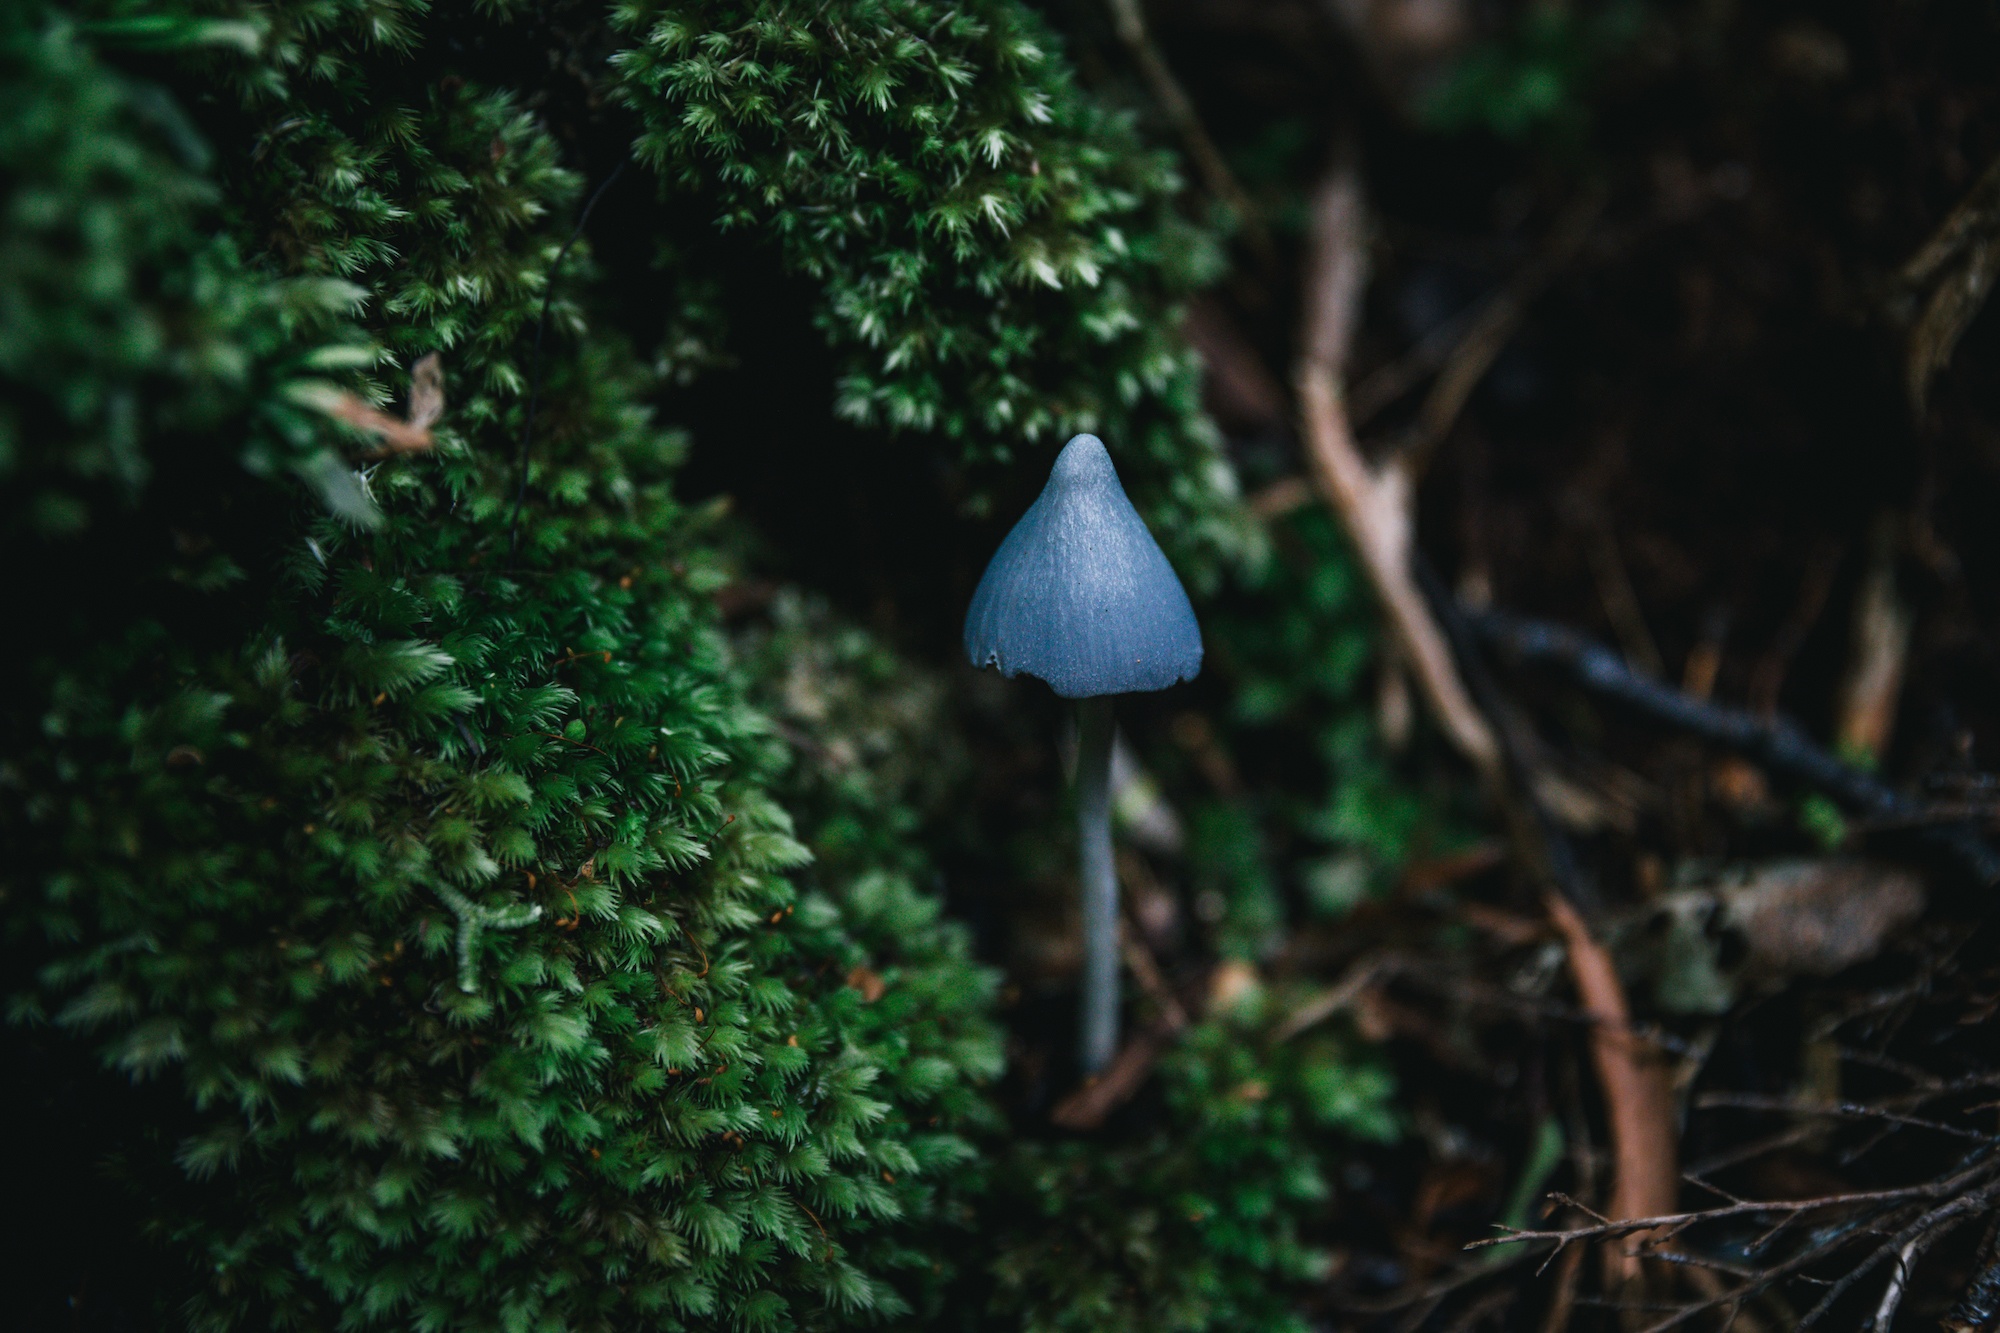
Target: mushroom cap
(1080,595)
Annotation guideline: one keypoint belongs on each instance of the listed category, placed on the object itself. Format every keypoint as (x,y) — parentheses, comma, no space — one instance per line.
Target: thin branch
(393,435)
(1879,651)
(1375,505)
(1754,1149)
(1680,1260)
(1459,351)
(1675,1223)
(1477,1311)
(1916,1230)
(1341,995)
(1456,1280)
(1838,1111)
(1130,21)
(1564,1301)
(1638,1094)
(1146,971)
(1920,1234)
(1978,1306)
(1892,1294)
(1091,1104)
(1958,266)
(1775,742)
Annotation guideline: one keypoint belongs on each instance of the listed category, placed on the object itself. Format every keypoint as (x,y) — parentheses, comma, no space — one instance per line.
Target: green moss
(996,253)
(132,336)
(520,949)
(450,893)
(1201,1219)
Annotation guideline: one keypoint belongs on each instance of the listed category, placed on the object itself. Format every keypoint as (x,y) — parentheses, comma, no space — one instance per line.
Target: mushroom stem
(1100,884)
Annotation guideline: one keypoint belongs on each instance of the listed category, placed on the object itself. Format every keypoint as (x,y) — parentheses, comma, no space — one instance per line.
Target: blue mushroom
(1081,596)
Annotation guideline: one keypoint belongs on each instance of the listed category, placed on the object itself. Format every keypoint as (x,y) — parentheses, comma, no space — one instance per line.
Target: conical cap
(1080,595)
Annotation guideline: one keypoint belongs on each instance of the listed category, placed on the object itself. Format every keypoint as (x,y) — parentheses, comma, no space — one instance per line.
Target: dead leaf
(869,983)
(1820,916)
(1767,922)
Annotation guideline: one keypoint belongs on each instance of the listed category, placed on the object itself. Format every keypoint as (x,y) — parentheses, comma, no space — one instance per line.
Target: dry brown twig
(1638,1090)
(1617,595)
(1092,1103)
(1458,352)
(1880,649)
(1130,21)
(1374,503)
(1744,1101)
(1145,970)
(1957,266)
(1338,997)
(1569,1268)
(1912,1225)
(396,435)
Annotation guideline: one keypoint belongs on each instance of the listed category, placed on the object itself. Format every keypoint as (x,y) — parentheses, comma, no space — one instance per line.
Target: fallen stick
(1375,504)
(1775,742)
(1092,1103)
(1952,1185)
(1638,1095)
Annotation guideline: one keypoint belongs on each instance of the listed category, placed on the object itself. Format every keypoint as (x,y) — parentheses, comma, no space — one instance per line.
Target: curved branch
(1777,743)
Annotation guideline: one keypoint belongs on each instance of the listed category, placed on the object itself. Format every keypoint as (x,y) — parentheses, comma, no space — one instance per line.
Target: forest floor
(1639,352)
(1661,339)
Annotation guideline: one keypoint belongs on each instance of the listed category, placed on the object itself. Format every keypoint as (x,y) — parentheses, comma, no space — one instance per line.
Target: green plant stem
(474,918)
(1100,884)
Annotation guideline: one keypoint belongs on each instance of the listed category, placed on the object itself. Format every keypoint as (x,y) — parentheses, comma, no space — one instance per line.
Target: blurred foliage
(1536,77)
(1299,649)
(130,333)
(877,754)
